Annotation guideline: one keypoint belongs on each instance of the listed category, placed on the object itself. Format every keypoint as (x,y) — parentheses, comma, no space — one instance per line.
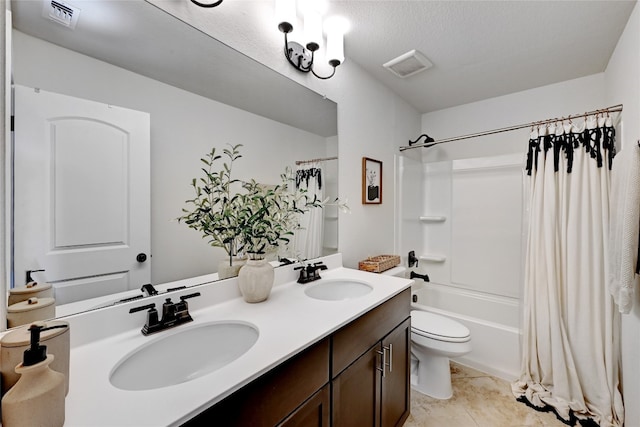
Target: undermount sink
(338,289)
(183,355)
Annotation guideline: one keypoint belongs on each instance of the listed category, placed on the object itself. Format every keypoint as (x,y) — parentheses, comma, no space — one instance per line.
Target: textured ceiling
(483,49)
(479,49)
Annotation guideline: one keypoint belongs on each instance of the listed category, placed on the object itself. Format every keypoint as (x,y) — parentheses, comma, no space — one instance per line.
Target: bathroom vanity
(327,352)
(357,376)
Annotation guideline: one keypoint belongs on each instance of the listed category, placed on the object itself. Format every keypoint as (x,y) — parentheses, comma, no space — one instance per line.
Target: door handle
(141,257)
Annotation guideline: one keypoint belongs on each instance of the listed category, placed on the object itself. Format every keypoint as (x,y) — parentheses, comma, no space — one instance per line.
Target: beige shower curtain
(308,238)
(570,346)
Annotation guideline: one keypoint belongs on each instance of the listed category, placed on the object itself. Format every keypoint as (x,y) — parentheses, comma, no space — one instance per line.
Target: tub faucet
(414,275)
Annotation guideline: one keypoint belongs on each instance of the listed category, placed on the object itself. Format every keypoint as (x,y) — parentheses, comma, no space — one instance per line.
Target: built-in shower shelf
(433,218)
(330,218)
(433,258)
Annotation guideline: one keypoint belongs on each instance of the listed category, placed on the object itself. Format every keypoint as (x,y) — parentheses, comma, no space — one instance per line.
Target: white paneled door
(81,194)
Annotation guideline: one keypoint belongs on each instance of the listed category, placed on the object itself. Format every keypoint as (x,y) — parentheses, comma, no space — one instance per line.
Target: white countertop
(288,322)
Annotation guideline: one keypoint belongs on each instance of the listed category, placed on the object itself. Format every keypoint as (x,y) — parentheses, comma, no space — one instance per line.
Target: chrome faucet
(173,314)
(309,273)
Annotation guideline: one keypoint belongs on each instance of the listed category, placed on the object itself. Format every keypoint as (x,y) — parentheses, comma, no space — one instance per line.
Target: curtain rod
(324,159)
(429,142)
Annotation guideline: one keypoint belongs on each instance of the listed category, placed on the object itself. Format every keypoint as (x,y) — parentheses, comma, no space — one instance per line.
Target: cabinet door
(356,392)
(396,397)
(313,413)
(272,397)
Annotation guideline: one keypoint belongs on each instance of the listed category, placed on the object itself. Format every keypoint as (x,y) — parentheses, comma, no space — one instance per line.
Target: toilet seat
(440,328)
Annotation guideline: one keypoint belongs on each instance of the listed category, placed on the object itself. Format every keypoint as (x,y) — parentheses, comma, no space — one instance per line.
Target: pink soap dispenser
(37,399)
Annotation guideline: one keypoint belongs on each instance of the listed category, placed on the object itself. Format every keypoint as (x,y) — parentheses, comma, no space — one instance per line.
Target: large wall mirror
(194,92)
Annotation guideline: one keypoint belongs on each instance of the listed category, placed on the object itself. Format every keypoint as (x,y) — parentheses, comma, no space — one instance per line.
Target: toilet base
(433,377)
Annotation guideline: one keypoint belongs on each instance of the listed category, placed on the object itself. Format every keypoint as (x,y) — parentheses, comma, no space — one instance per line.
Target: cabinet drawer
(269,399)
(357,337)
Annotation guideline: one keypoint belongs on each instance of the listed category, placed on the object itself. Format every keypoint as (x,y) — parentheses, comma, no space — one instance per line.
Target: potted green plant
(246,217)
(269,216)
(215,207)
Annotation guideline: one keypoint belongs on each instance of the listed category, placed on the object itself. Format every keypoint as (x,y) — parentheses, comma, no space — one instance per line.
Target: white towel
(624,226)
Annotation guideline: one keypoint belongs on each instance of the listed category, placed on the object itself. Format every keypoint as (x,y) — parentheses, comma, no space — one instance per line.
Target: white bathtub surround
(477,280)
(571,343)
(288,322)
(488,322)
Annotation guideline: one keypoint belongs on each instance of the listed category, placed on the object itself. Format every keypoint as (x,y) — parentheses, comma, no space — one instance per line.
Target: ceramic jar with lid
(31,289)
(31,310)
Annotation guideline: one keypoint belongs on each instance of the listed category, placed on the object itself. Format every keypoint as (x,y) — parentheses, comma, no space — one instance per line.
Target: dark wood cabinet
(338,381)
(356,393)
(315,412)
(374,390)
(268,400)
(396,388)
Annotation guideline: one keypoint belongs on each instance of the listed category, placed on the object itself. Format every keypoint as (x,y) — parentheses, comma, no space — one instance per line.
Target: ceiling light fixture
(302,57)
(206,4)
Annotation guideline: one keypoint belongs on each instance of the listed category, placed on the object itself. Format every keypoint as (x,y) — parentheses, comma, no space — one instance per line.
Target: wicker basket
(378,264)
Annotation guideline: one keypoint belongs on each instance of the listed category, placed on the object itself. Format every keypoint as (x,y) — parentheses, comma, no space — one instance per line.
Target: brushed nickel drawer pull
(383,353)
(390,362)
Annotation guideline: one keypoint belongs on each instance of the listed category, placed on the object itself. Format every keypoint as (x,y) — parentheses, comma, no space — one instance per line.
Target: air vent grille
(60,12)
(408,64)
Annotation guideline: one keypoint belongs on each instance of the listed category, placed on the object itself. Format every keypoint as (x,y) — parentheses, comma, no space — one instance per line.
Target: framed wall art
(371,181)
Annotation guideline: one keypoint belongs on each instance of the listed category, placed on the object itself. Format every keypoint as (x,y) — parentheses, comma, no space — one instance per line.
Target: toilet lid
(438,327)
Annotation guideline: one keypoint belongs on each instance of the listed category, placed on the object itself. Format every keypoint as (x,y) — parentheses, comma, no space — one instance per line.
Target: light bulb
(335,27)
(312,30)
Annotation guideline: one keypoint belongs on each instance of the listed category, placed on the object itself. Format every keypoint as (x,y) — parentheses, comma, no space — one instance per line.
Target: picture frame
(371,181)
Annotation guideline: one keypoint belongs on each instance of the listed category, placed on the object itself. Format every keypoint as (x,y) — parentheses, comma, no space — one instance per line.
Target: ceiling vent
(408,64)
(63,13)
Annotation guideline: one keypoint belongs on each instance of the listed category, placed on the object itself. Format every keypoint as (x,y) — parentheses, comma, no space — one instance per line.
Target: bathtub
(492,321)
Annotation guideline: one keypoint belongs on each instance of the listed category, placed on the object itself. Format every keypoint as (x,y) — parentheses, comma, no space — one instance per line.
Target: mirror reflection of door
(81,194)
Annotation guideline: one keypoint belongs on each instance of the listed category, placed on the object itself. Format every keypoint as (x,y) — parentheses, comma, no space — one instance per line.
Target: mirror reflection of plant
(274,213)
(246,216)
(215,209)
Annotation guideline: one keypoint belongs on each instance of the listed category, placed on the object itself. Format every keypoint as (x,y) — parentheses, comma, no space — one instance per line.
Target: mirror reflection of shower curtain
(308,239)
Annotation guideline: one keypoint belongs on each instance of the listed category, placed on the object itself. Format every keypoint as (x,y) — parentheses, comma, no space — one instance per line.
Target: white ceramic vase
(226,271)
(255,280)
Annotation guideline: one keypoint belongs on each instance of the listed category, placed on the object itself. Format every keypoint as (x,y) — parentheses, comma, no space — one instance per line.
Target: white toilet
(435,339)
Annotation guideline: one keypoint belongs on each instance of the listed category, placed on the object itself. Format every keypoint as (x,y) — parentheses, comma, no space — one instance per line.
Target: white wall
(561,99)
(372,122)
(622,84)
(184,127)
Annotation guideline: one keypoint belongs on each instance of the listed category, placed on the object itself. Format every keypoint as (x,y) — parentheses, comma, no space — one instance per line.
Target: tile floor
(479,400)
